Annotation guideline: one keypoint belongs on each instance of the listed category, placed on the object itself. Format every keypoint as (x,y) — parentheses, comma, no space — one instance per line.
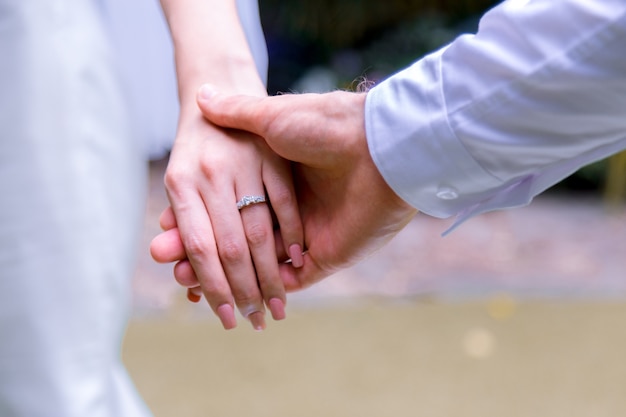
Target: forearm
(210,46)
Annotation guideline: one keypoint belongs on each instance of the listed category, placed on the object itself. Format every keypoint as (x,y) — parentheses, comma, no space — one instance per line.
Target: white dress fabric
(72,183)
(493,119)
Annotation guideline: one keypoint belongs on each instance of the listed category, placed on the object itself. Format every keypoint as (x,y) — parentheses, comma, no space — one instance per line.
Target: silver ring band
(248,200)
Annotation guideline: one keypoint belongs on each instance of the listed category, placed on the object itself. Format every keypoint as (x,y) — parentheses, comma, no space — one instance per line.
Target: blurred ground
(516,313)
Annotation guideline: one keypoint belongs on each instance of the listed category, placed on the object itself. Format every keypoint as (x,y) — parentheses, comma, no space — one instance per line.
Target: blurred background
(516,313)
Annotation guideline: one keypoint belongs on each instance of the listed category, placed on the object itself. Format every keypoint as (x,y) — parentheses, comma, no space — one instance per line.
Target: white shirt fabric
(493,119)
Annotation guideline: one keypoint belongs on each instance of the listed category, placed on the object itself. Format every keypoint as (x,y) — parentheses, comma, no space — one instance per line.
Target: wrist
(232,75)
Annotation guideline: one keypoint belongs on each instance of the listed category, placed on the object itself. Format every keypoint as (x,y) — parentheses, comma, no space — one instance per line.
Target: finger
(167,220)
(199,244)
(282,195)
(296,279)
(297,122)
(237,112)
(185,275)
(194,294)
(257,224)
(167,247)
(289,116)
(234,254)
(313,129)
(281,253)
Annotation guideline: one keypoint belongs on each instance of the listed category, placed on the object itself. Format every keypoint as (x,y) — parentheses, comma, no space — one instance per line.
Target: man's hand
(348,210)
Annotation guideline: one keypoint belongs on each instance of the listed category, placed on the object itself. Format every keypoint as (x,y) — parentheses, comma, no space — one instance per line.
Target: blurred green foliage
(345,23)
(359,37)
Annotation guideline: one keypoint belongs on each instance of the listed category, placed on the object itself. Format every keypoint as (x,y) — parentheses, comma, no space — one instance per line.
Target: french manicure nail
(277,307)
(295,253)
(226,313)
(258,320)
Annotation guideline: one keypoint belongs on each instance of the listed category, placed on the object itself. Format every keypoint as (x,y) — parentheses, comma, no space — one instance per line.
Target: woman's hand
(232,252)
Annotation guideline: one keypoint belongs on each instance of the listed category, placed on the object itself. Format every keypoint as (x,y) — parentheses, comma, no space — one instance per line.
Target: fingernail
(226,313)
(258,320)
(193,296)
(295,253)
(206,91)
(277,307)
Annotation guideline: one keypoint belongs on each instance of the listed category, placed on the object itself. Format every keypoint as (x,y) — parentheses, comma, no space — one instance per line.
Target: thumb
(295,126)
(234,111)
(255,115)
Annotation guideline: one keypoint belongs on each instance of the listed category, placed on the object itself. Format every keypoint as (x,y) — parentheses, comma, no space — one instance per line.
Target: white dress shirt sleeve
(495,118)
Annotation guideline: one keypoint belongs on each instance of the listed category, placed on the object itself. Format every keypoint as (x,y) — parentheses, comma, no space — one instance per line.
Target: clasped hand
(346,208)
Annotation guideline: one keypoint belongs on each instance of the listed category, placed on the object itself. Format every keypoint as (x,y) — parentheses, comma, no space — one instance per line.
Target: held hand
(347,208)
(230,253)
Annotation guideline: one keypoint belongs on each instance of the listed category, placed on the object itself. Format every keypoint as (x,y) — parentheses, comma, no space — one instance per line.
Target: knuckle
(232,251)
(210,167)
(257,234)
(184,274)
(283,198)
(175,179)
(197,246)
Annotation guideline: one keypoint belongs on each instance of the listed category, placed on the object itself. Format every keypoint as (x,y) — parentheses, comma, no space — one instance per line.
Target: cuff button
(447,193)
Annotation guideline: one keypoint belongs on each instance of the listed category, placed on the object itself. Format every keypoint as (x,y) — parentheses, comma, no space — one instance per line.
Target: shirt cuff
(416,150)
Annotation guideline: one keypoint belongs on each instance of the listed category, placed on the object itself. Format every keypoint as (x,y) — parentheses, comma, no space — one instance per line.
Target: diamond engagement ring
(248,200)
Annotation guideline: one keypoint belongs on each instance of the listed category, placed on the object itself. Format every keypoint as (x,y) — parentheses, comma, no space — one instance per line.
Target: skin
(348,210)
(233,254)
